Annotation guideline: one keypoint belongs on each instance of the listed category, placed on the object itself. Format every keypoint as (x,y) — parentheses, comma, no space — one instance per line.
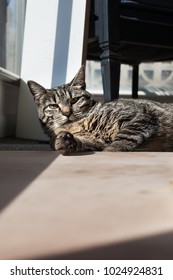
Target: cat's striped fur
(75,122)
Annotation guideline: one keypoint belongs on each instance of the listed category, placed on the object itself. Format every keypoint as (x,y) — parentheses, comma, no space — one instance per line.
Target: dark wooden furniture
(130,32)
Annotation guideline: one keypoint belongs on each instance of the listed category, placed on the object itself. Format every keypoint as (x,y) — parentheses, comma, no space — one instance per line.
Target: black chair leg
(135,79)
(110,66)
(108,12)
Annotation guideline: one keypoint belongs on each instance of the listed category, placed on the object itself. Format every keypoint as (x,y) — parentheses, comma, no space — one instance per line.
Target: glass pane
(12,13)
(154,78)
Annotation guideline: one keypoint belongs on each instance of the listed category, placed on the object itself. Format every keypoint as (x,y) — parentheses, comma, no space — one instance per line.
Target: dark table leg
(110,66)
(135,79)
(107,29)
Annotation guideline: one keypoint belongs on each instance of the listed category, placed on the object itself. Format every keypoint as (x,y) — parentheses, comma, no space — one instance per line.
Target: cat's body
(75,122)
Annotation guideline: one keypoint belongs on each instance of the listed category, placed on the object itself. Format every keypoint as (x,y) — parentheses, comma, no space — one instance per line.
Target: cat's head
(62,104)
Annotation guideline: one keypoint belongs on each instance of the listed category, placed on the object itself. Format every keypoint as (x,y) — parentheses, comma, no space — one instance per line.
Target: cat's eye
(53,106)
(74,100)
(87,96)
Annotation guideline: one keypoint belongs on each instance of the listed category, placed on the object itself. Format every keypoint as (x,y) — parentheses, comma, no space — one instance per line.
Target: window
(12,14)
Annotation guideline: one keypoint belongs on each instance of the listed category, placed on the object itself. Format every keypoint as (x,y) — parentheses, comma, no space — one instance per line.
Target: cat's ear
(79,80)
(36,90)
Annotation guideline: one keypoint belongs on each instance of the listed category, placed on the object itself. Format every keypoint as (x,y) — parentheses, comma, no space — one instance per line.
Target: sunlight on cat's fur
(75,122)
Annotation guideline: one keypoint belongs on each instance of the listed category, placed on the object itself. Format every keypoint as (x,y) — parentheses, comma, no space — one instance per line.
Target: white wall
(52,53)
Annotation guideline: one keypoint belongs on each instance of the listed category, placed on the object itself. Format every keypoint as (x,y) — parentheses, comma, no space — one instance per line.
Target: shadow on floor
(18,169)
(157,247)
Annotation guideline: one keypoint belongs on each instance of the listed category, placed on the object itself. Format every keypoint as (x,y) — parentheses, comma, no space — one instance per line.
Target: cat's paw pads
(65,143)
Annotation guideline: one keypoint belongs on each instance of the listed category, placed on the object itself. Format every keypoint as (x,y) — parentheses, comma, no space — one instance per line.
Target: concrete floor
(93,206)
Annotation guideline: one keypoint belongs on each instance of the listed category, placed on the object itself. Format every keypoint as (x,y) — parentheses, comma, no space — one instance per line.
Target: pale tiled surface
(102,205)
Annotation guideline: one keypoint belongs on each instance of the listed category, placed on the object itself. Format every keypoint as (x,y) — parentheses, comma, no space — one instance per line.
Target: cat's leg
(67,143)
(64,143)
(121,145)
(131,138)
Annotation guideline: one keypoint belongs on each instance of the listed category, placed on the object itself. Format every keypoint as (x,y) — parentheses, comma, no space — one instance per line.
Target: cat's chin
(58,125)
(72,118)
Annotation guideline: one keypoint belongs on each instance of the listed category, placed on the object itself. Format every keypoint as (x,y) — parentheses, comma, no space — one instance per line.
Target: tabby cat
(75,122)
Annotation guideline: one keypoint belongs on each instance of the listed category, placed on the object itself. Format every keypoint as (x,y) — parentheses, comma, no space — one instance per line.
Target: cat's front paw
(65,143)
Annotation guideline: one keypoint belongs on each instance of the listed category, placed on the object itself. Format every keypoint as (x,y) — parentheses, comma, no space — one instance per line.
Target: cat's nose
(66,111)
